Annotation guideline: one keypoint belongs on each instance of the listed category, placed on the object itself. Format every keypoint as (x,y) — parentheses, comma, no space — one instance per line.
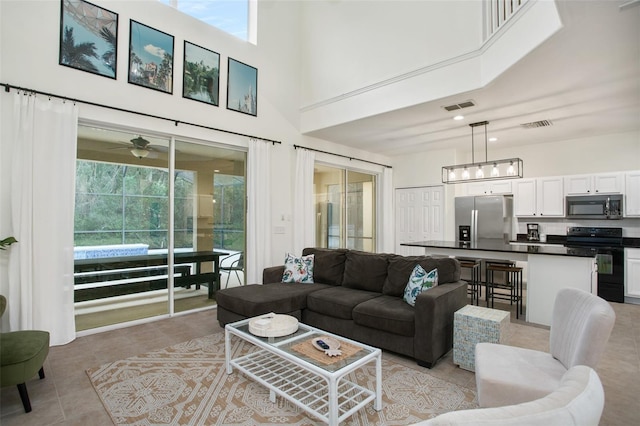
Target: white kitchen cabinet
(608,182)
(543,197)
(632,194)
(594,184)
(524,197)
(550,199)
(632,272)
(578,185)
(489,188)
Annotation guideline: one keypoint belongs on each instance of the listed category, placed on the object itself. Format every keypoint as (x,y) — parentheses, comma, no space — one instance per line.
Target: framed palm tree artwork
(201,74)
(88,38)
(150,57)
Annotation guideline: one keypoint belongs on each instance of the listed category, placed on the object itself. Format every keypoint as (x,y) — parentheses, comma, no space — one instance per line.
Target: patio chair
(236,265)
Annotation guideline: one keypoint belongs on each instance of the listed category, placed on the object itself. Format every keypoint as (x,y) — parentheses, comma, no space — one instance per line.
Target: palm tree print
(109,57)
(77,55)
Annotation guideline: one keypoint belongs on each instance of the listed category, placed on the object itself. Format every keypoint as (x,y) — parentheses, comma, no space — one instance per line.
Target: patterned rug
(186,384)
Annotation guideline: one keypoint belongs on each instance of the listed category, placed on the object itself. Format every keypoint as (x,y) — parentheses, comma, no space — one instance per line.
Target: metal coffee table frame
(321,390)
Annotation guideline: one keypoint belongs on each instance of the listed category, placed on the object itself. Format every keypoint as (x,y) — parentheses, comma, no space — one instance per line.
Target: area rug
(186,384)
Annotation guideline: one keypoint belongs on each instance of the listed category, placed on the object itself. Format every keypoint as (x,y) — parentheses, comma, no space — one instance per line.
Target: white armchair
(581,324)
(579,401)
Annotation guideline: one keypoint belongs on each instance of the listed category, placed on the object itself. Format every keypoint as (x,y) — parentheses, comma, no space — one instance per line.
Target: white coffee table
(318,388)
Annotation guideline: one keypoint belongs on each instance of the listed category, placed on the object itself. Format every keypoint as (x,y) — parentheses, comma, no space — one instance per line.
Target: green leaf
(7,242)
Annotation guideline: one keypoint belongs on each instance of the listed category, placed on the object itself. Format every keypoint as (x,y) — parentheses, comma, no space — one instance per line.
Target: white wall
(29,46)
(352,44)
(602,153)
(363,58)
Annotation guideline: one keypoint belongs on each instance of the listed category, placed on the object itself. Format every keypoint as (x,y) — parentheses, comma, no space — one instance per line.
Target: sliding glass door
(345,208)
(210,193)
(128,192)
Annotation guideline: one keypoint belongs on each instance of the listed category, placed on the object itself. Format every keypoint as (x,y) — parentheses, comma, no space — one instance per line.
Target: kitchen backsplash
(558,226)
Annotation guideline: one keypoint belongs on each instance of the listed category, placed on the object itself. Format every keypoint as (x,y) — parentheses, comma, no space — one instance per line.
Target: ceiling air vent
(465,104)
(534,124)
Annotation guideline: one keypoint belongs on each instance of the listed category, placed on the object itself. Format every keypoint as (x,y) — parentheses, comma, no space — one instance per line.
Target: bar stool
(475,288)
(513,283)
(501,274)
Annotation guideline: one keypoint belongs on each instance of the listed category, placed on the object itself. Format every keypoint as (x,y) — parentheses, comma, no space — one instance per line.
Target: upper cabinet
(524,197)
(594,184)
(541,197)
(632,194)
(551,196)
(494,187)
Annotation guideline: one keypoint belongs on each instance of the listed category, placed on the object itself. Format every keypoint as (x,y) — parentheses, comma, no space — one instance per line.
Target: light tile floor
(66,397)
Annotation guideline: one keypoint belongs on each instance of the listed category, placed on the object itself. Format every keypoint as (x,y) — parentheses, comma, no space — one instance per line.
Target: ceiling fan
(142,148)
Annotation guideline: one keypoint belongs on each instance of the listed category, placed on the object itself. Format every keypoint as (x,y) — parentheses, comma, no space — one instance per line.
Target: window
(118,204)
(232,16)
(346,208)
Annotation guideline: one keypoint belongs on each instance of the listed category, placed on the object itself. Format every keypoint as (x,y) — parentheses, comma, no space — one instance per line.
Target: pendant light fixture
(510,168)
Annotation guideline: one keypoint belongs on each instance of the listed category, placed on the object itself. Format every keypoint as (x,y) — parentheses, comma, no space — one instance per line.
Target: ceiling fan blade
(127,146)
(158,148)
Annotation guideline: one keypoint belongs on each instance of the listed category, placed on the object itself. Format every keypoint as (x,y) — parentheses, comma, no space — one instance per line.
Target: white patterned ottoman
(475,324)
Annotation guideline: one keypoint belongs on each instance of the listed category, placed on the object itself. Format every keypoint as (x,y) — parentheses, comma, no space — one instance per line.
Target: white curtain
(42,147)
(304,233)
(258,209)
(387,243)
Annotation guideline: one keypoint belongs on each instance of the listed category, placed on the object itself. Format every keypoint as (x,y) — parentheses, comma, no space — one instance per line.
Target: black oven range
(606,245)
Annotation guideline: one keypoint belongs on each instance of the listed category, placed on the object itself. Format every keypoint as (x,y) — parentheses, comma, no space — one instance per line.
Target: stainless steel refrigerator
(487,216)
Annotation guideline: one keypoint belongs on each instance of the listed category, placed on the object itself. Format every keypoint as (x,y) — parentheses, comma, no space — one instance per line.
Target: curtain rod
(8,87)
(343,156)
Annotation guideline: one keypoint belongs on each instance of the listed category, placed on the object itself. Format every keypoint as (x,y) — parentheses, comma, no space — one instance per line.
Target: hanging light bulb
(452,174)
(479,172)
(494,171)
(510,170)
(465,173)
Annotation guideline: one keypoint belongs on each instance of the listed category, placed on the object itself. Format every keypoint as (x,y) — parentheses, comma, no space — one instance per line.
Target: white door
(419,217)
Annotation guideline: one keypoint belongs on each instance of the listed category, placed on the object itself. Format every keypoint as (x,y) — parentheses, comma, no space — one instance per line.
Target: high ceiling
(585,80)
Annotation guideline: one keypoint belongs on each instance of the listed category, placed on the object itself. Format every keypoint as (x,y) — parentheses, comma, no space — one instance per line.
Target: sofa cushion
(328,264)
(419,281)
(366,271)
(386,313)
(298,269)
(400,268)
(338,302)
(255,299)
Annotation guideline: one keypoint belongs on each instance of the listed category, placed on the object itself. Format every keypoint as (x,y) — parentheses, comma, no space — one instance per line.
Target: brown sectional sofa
(359,295)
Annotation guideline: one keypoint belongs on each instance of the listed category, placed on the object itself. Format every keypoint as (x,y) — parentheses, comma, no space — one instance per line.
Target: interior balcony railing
(498,12)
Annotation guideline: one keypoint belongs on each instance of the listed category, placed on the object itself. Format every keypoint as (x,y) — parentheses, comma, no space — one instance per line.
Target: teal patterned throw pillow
(419,281)
(298,269)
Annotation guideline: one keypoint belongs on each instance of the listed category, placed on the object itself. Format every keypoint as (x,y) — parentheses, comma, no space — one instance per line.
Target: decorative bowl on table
(328,345)
(273,325)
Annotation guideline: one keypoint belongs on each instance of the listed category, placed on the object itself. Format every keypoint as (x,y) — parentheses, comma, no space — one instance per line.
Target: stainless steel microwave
(594,206)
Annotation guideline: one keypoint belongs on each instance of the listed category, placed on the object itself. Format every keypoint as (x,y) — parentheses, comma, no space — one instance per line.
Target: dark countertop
(631,242)
(501,246)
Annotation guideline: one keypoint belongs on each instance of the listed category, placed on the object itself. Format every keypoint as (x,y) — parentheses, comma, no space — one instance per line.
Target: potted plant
(7,242)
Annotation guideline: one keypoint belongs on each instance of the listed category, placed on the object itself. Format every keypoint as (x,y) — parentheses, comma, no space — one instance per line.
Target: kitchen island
(549,268)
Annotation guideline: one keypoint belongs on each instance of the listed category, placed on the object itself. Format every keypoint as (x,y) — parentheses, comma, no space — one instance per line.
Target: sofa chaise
(359,295)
